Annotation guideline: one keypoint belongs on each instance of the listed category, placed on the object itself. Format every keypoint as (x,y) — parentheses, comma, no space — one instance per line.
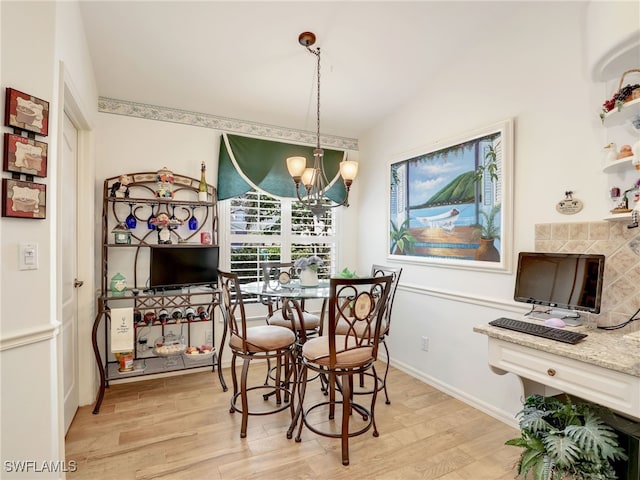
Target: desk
(603,368)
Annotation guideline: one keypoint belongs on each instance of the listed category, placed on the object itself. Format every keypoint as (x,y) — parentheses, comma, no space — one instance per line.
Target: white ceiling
(242,59)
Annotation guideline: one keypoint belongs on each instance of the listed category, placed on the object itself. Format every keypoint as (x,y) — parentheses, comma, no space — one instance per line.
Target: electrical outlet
(425,344)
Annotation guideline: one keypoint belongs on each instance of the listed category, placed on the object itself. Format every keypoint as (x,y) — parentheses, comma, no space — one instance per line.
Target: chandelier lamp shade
(314,178)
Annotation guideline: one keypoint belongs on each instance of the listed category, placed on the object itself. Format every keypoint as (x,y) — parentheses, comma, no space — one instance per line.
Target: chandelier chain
(318,108)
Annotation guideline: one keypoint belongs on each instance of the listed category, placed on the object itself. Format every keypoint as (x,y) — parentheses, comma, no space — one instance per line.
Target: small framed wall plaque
(23,199)
(26,112)
(24,155)
(570,205)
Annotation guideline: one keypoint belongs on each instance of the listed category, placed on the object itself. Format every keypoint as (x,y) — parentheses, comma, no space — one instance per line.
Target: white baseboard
(505,417)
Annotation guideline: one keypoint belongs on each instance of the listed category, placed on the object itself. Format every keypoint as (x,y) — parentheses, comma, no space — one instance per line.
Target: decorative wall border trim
(229,125)
(29,336)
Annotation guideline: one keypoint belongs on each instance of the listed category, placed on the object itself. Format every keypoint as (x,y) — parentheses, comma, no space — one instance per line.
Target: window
(262,228)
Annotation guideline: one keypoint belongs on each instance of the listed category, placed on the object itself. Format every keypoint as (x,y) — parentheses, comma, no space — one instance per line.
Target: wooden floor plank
(180,428)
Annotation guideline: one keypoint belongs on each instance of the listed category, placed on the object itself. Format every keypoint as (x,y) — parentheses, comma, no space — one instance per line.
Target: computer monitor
(568,283)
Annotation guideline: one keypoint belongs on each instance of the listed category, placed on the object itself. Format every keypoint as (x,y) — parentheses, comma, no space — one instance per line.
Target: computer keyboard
(543,331)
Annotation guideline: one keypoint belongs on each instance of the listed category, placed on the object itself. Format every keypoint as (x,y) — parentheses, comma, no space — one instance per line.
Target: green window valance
(248,163)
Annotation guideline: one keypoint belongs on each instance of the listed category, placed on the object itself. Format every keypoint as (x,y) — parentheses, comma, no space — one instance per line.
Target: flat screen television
(178,266)
(568,282)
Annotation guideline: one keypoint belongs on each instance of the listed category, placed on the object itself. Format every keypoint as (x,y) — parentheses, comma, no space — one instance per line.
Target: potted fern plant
(564,440)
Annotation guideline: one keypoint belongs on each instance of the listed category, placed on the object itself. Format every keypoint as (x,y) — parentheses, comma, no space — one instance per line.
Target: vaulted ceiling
(242,60)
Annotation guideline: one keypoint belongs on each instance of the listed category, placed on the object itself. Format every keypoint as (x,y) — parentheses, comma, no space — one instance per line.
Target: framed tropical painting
(451,204)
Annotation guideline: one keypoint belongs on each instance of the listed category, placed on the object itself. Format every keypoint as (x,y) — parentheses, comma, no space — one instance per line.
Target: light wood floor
(181,428)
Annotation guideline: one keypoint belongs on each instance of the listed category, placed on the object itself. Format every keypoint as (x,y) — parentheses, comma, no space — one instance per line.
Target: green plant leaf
(563,439)
(595,438)
(563,450)
(401,237)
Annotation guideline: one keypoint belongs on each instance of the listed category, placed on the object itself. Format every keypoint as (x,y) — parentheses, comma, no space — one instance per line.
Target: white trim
(28,336)
(70,100)
(460,298)
(230,125)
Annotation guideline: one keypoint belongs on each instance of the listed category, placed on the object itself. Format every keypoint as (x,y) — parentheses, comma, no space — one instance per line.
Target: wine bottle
(202,188)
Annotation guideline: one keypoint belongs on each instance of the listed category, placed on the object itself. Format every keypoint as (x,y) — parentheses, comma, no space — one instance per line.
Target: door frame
(70,101)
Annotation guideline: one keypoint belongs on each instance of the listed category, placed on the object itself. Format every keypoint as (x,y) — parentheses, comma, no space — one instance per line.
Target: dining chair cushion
(264,338)
(316,350)
(343,327)
(310,320)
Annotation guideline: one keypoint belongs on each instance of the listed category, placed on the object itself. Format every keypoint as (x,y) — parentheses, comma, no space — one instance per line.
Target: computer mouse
(554,322)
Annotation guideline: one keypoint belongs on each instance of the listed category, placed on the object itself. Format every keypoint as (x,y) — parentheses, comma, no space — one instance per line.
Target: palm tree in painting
(402,240)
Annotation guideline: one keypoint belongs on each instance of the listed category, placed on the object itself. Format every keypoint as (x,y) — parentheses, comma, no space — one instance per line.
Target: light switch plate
(28,256)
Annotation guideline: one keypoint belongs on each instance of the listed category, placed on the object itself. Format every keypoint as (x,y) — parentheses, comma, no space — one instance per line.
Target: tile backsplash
(621,247)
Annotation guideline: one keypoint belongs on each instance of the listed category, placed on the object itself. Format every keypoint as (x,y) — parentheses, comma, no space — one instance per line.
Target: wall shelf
(619,217)
(627,112)
(618,165)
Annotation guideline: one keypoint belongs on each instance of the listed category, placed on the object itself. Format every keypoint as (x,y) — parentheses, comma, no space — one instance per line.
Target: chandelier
(314,178)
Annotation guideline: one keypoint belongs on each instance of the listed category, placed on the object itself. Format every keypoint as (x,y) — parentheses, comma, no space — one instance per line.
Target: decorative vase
(308,278)
(118,285)
(487,251)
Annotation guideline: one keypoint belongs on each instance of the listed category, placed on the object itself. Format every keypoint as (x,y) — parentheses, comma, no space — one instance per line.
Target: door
(68,214)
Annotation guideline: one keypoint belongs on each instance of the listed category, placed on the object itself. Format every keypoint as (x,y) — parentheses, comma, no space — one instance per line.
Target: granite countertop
(608,349)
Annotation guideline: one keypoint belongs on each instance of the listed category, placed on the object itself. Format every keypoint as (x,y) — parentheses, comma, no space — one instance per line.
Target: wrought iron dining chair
(395,272)
(360,304)
(276,275)
(283,312)
(264,342)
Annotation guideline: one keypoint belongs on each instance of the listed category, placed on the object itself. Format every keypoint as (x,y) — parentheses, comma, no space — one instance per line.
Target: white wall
(31,399)
(534,70)
(129,145)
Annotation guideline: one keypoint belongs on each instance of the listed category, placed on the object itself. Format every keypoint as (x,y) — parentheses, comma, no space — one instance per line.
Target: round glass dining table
(291,290)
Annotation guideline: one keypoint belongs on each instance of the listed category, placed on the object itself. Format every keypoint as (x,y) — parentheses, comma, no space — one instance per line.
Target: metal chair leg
(346,413)
(244,397)
(386,372)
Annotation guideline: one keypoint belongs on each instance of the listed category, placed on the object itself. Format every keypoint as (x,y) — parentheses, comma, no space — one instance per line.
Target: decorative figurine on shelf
(636,155)
(121,234)
(165,179)
(623,205)
(624,94)
(164,225)
(635,215)
(625,151)
(118,285)
(613,154)
(120,189)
